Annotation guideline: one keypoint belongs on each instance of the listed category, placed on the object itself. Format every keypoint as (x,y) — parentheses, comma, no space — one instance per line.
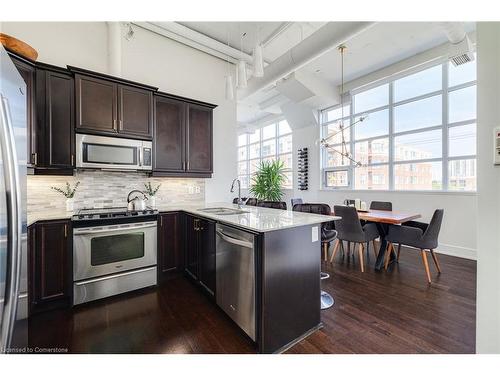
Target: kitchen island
(260,266)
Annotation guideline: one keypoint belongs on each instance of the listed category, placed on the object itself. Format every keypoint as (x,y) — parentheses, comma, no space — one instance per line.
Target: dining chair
(419,235)
(349,229)
(381,206)
(271,204)
(328,235)
(251,202)
(295,201)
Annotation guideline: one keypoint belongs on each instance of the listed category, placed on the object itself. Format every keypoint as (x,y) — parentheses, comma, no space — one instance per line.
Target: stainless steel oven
(99,152)
(113,259)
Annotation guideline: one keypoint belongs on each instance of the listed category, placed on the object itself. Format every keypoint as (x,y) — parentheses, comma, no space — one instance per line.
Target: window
(269,143)
(419,134)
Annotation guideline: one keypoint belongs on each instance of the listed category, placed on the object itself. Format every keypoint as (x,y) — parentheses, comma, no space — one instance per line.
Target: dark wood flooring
(387,312)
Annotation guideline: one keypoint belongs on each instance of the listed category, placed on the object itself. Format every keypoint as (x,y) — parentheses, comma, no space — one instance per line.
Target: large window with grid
(420,133)
(271,142)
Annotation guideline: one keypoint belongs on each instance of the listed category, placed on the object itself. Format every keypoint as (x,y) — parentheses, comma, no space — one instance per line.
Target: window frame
(277,136)
(445,126)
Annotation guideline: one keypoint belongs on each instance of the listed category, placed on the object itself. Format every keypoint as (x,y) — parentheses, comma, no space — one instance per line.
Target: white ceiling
(382,45)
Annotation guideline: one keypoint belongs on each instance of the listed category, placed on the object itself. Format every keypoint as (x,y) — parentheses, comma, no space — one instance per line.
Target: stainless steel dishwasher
(235,276)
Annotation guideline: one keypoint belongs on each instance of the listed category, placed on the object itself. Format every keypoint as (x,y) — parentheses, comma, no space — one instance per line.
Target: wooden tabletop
(387,217)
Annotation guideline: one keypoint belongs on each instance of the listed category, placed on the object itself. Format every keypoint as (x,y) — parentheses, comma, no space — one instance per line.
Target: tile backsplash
(110,189)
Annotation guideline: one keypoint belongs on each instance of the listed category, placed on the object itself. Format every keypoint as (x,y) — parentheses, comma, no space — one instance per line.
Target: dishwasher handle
(233,240)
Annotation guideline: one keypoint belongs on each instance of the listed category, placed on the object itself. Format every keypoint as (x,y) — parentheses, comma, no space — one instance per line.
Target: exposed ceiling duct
(460,51)
(299,115)
(327,37)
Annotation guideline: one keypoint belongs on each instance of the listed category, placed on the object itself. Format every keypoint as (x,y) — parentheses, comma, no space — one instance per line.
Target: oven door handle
(78,232)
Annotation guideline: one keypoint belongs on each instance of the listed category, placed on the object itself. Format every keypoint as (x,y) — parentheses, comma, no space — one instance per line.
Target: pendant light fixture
(229,78)
(258,58)
(344,152)
(241,78)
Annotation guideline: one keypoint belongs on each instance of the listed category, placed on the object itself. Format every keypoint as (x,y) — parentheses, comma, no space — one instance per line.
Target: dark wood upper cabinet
(168,141)
(96,104)
(199,139)
(55,98)
(170,254)
(50,264)
(27,71)
(135,111)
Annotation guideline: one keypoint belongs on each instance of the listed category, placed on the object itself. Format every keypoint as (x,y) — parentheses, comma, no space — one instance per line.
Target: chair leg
(325,251)
(426,265)
(375,249)
(436,262)
(342,247)
(388,252)
(360,252)
(399,250)
(335,249)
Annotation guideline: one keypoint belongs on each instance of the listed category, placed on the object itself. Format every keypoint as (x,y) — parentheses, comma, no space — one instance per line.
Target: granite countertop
(258,219)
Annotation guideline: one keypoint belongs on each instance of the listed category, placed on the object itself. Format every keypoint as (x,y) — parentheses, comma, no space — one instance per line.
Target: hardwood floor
(387,312)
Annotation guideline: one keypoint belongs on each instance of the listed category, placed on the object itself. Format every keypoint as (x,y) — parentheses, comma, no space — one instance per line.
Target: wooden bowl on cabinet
(19,47)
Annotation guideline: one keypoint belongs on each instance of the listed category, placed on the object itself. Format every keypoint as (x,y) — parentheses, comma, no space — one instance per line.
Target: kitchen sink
(223,211)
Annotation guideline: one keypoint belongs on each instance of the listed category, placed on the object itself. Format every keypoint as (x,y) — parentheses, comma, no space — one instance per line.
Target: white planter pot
(70,204)
(152,202)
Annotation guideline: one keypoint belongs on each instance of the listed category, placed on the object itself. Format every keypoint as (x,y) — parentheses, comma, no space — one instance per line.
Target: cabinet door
(135,108)
(96,104)
(168,141)
(199,139)
(170,258)
(51,263)
(55,103)
(207,255)
(28,73)
(191,248)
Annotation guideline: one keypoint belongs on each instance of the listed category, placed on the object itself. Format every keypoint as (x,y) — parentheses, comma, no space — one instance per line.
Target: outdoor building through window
(270,142)
(420,133)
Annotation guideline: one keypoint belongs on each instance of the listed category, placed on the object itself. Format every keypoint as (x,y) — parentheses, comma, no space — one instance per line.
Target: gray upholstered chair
(295,201)
(419,235)
(327,236)
(251,202)
(271,204)
(381,206)
(350,229)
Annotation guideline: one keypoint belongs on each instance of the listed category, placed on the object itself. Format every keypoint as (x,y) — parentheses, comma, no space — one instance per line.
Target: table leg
(379,263)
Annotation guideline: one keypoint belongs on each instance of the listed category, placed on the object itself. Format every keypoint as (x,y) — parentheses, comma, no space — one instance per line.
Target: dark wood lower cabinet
(200,251)
(50,258)
(170,245)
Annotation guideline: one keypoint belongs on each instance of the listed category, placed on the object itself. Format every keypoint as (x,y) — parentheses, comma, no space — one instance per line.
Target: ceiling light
(242,74)
(258,61)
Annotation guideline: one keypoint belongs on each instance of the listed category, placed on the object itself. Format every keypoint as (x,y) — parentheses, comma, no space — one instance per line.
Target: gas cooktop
(111,213)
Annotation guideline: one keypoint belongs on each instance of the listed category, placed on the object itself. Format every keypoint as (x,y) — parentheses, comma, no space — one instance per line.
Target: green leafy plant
(267,181)
(68,191)
(150,190)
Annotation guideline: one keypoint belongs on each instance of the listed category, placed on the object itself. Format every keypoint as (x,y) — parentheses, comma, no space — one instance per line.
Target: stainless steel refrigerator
(13,238)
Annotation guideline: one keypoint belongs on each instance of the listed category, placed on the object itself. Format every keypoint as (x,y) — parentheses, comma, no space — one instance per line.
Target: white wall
(488,221)
(151,59)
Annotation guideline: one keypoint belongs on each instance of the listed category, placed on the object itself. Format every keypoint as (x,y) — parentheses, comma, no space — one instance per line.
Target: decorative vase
(69,204)
(152,201)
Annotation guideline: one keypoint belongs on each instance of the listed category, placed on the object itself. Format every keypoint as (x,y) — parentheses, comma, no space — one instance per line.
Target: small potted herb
(151,192)
(69,193)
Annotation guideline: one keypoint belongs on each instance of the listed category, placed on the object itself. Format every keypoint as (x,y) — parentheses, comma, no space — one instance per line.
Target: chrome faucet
(239,190)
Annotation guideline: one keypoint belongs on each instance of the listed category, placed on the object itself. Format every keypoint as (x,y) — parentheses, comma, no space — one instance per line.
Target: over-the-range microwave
(100,152)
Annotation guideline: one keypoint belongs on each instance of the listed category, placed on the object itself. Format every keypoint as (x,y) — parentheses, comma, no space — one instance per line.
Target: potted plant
(267,181)
(69,193)
(151,192)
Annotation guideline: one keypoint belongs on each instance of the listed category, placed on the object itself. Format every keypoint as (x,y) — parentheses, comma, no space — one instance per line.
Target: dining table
(382,220)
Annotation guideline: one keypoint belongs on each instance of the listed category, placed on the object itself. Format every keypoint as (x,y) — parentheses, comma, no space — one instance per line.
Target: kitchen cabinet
(183,144)
(200,251)
(170,254)
(50,258)
(108,106)
(27,71)
(55,120)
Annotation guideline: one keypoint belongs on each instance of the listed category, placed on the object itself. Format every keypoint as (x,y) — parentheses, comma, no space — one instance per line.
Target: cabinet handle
(35,158)
(161,221)
(72,159)
(114,124)
(187,165)
(65,230)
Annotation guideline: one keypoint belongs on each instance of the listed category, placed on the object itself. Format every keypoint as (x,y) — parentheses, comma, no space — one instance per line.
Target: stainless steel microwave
(100,152)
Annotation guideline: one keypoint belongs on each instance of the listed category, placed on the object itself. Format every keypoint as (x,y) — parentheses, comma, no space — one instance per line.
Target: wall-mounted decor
(303,168)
